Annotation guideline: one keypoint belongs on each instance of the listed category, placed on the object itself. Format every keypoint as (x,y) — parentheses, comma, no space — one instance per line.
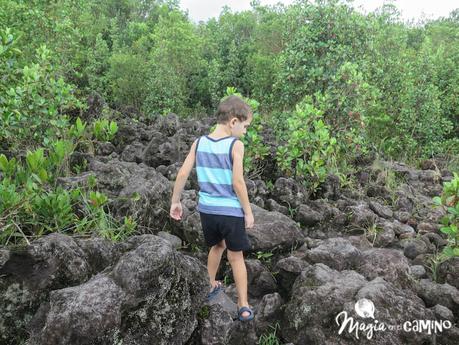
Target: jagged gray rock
(337,253)
(145,290)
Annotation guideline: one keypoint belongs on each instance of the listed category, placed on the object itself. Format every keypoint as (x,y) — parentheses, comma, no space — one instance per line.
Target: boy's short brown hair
(232,106)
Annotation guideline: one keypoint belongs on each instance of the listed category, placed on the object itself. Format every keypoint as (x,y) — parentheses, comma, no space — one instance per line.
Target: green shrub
(104,130)
(449,199)
(35,99)
(52,211)
(127,79)
(32,205)
(309,149)
(176,56)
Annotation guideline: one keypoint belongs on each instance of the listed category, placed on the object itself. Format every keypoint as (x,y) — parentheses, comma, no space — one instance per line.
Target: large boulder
(337,253)
(260,280)
(143,299)
(84,314)
(393,306)
(433,293)
(61,290)
(288,269)
(323,310)
(27,276)
(52,262)
(221,326)
(449,271)
(318,295)
(387,263)
(307,216)
(269,312)
(273,230)
(289,192)
(135,190)
(216,326)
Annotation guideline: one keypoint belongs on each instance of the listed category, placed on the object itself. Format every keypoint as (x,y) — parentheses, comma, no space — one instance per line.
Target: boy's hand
(249,221)
(176,211)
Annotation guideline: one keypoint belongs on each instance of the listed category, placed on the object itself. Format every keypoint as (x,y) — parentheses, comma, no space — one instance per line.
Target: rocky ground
(311,257)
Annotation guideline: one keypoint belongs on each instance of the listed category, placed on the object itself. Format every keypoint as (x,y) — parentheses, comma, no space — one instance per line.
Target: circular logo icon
(365,308)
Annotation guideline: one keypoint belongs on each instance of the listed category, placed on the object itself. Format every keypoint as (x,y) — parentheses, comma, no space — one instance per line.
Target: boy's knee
(234,255)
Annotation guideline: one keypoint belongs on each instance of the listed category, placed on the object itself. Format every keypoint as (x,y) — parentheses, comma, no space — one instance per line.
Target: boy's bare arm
(238,177)
(183,173)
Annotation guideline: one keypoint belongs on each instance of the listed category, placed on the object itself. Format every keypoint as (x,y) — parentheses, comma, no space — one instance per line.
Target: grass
(204,312)
(373,230)
(369,228)
(434,262)
(264,256)
(271,337)
(388,178)
(227,280)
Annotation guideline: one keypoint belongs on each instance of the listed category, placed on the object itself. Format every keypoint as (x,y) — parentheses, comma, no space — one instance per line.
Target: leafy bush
(126,77)
(449,199)
(322,38)
(52,211)
(104,130)
(309,149)
(32,205)
(173,60)
(421,126)
(35,99)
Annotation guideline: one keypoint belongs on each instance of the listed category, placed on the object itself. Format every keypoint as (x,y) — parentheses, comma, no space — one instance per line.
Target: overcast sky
(205,9)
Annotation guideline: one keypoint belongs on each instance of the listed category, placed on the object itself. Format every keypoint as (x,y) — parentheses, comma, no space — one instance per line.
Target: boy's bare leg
(236,259)
(213,261)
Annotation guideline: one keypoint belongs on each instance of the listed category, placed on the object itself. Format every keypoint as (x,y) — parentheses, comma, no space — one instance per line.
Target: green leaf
(446,230)
(3,162)
(135,196)
(92,181)
(453,210)
(80,126)
(113,127)
(43,175)
(437,200)
(448,251)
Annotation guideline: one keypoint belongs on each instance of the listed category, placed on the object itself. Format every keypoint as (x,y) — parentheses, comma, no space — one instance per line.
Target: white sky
(410,9)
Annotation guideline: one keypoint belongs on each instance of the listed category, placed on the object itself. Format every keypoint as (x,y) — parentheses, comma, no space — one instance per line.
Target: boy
(223,204)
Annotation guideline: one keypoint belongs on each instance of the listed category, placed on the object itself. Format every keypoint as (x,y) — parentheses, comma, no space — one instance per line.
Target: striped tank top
(214,168)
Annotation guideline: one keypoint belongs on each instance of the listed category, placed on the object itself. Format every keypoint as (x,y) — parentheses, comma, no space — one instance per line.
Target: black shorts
(217,227)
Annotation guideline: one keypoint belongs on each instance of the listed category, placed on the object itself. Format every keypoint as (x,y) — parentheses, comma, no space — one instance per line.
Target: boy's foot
(216,284)
(245,313)
(215,290)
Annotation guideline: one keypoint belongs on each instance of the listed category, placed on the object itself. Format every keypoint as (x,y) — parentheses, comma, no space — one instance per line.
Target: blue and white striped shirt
(214,167)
